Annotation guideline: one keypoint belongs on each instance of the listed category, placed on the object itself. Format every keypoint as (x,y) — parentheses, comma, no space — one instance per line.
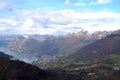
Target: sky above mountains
(58,16)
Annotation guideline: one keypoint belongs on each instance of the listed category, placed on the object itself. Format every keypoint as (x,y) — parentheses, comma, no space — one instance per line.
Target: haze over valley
(59,40)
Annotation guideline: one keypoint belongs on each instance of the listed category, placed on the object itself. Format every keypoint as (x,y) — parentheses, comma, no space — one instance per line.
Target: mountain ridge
(18,70)
(107,45)
(61,45)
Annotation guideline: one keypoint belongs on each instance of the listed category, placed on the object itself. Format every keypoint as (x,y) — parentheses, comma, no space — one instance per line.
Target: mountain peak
(99,49)
(113,35)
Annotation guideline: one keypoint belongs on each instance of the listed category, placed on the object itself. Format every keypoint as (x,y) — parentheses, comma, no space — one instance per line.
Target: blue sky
(58,16)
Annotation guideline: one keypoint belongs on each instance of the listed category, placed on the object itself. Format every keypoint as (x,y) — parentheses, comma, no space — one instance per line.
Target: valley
(59,39)
(78,56)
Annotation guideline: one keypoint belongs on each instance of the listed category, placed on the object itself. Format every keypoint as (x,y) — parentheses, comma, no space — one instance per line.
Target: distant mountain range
(24,45)
(82,56)
(44,46)
(96,61)
(5,40)
(60,46)
(99,49)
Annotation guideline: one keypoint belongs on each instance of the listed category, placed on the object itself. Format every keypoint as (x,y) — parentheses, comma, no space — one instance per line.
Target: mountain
(72,42)
(105,51)
(99,49)
(60,46)
(40,37)
(2,54)
(99,60)
(113,76)
(24,44)
(6,39)
(18,70)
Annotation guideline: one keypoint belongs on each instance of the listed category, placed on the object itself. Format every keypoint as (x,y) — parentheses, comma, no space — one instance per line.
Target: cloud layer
(101,2)
(39,21)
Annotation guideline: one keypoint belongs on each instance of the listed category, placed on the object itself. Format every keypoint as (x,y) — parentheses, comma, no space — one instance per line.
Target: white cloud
(62,21)
(67,2)
(101,27)
(28,22)
(97,16)
(2,28)
(79,4)
(9,21)
(101,2)
(3,5)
